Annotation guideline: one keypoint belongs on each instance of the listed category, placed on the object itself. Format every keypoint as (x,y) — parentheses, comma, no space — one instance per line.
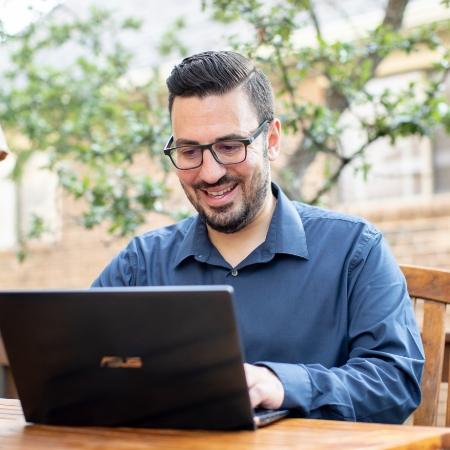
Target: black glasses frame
(168,150)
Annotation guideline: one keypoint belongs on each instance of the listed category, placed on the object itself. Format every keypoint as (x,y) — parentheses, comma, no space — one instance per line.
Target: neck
(237,246)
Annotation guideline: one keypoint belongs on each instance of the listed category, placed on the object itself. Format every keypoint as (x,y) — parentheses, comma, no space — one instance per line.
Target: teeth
(220,193)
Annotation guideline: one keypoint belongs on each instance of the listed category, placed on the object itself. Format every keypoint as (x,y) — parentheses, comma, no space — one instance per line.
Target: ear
(274,139)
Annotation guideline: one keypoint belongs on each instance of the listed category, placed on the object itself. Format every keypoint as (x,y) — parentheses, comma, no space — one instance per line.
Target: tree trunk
(292,174)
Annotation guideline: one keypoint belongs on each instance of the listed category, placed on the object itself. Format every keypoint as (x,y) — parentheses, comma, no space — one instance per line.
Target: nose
(211,171)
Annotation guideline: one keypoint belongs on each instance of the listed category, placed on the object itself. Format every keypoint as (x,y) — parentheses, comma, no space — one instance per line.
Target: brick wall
(73,261)
(417,229)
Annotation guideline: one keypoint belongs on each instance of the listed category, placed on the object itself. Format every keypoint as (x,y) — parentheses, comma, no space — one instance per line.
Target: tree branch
(336,100)
(286,80)
(315,21)
(393,17)
(343,163)
(394,14)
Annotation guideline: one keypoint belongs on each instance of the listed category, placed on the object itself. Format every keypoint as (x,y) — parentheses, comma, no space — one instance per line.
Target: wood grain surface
(427,283)
(300,434)
(433,338)
(433,286)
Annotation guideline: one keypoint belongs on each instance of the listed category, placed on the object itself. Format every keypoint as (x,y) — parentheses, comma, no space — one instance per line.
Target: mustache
(224,180)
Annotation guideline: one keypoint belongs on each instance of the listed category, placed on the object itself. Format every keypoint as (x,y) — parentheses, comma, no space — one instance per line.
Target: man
(327,326)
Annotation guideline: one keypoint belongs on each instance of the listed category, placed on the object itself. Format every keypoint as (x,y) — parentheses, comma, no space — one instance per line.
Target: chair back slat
(433,286)
(433,337)
(447,406)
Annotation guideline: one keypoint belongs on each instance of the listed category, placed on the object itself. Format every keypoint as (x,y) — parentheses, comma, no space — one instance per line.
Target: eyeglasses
(187,157)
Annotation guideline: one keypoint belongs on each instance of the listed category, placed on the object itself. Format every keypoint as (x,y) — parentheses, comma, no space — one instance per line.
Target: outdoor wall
(73,261)
(416,228)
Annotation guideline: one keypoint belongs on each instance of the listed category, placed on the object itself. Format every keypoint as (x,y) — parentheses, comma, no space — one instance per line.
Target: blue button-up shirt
(322,303)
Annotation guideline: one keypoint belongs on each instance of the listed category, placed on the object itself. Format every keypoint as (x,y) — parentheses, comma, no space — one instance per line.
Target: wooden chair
(433,286)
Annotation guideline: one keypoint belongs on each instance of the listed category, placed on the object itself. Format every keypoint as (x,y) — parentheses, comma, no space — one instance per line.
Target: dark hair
(218,73)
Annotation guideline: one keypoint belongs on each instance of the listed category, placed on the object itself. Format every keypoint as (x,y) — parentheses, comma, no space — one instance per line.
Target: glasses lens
(229,152)
(186,157)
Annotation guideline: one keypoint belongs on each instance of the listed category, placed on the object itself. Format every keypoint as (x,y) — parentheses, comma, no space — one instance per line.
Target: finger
(249,374)
(255,396)
(265,388)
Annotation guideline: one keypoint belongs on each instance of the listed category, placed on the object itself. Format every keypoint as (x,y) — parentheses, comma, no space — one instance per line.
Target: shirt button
(234,272)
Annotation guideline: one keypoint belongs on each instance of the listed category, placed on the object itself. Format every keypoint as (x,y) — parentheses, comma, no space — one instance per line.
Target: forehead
(213,113)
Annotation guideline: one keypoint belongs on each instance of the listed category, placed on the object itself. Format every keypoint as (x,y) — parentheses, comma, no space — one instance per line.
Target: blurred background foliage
(89,119)
(93,121)
(346,67)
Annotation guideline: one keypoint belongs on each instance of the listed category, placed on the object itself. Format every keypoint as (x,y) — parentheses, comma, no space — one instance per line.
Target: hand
(264,387)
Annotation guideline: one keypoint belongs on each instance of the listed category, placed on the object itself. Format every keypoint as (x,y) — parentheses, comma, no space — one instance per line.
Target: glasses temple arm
(169,142)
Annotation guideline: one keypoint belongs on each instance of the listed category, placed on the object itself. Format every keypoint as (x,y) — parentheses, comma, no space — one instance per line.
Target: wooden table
(16,434)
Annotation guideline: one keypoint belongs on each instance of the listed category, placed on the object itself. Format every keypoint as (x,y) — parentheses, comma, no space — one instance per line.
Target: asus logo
(117,362)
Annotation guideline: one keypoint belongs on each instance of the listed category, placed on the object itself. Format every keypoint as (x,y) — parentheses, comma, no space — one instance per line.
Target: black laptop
(159,357)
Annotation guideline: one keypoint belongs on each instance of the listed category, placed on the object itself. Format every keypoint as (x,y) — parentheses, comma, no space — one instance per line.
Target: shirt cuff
(296,384)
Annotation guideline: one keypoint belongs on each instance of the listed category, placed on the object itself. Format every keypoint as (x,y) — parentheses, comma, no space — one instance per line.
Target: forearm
(370,390)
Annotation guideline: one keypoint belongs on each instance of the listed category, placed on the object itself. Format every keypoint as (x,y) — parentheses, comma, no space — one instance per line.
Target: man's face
(228,197)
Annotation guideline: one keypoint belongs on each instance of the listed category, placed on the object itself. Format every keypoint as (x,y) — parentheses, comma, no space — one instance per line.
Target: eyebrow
(227,137)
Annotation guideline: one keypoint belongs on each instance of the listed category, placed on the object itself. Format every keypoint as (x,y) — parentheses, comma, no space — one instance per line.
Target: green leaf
(89,119)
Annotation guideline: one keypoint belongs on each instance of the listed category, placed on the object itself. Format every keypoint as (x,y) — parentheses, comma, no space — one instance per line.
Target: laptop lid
(166,357)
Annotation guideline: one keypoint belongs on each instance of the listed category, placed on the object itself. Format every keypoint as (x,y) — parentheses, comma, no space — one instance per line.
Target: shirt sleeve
(121,271)
(381,380)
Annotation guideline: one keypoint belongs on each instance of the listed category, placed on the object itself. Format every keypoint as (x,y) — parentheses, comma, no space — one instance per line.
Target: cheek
(253,163)
(187,177)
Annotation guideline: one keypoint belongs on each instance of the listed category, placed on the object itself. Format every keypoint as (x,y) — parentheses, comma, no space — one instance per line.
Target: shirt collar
(196,242)
(286,235)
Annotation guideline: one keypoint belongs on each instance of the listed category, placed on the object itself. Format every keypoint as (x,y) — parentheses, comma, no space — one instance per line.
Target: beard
(232,218)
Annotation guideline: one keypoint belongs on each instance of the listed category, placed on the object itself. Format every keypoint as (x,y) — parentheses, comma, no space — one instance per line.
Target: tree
(347,66)
(93,123)
(89,119)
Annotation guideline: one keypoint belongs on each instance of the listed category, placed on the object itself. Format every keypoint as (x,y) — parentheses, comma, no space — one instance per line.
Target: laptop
(156,357)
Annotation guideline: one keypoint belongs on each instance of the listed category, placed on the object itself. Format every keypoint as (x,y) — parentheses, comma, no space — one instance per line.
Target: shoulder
(342,235)
(313,216)
(162,237)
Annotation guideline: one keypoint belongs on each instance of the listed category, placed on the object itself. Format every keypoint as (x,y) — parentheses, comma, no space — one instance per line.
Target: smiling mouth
(220,194)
